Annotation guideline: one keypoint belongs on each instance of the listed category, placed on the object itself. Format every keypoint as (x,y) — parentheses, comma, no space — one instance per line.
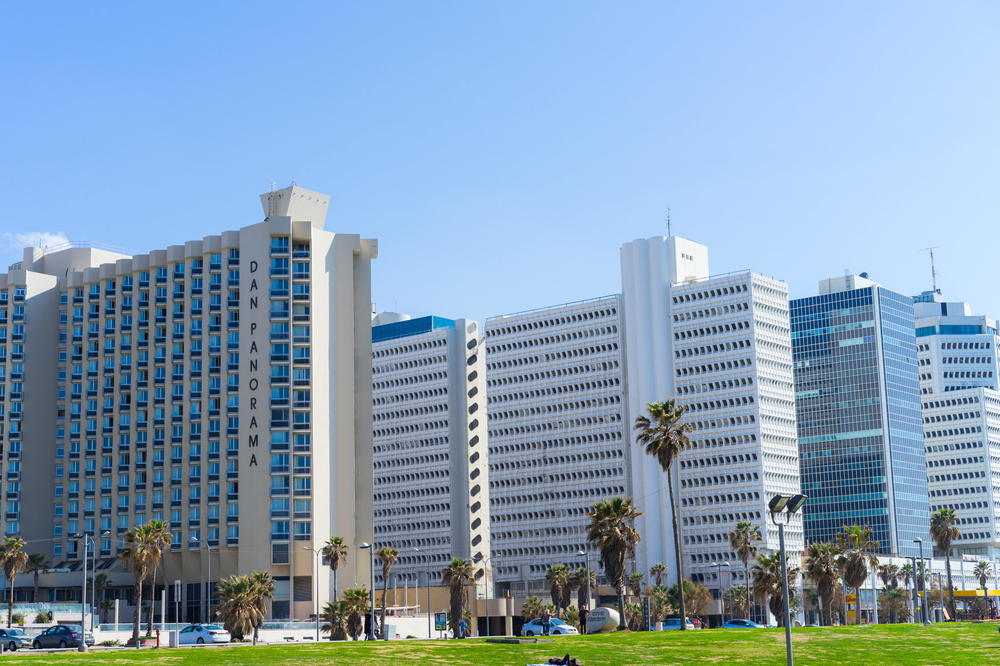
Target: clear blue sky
(502,152)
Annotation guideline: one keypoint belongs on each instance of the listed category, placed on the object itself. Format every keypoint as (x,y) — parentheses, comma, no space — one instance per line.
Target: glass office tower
(859,420)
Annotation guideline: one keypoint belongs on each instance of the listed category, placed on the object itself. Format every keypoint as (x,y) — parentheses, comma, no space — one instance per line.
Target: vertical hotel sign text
(253,429)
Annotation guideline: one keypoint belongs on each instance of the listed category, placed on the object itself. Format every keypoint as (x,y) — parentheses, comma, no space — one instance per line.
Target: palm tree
(457,576)
(388,556)
(13,560)
(663,435)
(334,615)
(889,573)
(857,556)
(906,575)
(238,605)
(944,531)
(37,563)
(532,608)
(612,531)
(739,598)
(658,571)
(743,540)
(558,577)
(583,591)
(141,555)
(821,568)
(161,536)
(335,552)
(768,583)
(983,570)
(356,607)
(263,589)
(634,583)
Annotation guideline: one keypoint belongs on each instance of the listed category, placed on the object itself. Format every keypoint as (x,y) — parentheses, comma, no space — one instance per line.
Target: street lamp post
(923,586)
(317,553)
(427,573)
(208,585)
(788,505)
(85,539)
(722,596)
(371,591)
(586,556)
(916,605)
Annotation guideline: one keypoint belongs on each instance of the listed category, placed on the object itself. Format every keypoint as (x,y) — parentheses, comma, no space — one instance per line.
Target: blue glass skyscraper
(859,421)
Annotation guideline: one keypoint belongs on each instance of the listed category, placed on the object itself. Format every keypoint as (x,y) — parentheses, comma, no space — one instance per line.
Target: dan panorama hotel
(223,386)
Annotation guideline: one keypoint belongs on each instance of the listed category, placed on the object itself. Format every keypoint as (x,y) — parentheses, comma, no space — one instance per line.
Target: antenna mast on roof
(669,232)
(933,269)
(270,201)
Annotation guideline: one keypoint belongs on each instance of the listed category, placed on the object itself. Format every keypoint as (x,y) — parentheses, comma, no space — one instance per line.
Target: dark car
(62,636)
(12,639)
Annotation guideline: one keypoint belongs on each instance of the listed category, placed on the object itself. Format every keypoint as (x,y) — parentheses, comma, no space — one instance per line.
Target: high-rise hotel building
(558,433)
(430,438)
(859,414)
(721,346)
(222,385)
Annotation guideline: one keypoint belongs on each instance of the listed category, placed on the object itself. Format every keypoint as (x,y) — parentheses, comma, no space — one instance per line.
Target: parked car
(741,624)
(12,639)
(62,636)
(556,627)
(198,634)
(675,623)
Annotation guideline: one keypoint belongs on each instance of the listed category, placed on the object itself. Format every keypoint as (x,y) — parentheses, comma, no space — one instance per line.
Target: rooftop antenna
(270,201)
(934,286)
(669,231)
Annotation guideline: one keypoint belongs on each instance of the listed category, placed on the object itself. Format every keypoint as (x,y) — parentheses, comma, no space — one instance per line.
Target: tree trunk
(152,604)
(857,604)
(951,589)
(334,586)
(677,551)
(385,593)
(746,582)
(622,624)
(34,592)
(10,602)
(137,615)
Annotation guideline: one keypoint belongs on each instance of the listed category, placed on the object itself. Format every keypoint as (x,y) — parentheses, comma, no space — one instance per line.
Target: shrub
(43,617)
(17,618)
(111,643)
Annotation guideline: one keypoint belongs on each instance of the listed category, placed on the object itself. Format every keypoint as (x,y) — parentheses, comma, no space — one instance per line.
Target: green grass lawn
(884,645)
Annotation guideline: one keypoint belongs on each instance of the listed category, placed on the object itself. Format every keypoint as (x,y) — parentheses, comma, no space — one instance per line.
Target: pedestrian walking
(583,620)
(546,618)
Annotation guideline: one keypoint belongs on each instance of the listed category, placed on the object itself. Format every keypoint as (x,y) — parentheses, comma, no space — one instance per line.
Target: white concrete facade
(962,439)
(956,350)
(223,386)
(430,445)
(722,347)
(558,433)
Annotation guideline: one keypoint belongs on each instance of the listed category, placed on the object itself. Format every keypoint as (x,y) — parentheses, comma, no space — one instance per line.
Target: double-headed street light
(586,555)
(371,591)
(788,506)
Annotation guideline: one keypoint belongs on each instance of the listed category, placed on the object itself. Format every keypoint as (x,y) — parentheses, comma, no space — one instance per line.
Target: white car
(556,627)
(199,634)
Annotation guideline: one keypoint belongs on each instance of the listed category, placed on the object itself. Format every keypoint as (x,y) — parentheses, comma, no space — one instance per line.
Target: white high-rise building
(722,347)
(430,445)
(958,363)
(962,440)
(558,433)
(222,386)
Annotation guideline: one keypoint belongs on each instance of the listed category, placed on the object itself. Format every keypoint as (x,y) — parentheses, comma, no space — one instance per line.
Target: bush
(112,643)
(17,618)
(43,617)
